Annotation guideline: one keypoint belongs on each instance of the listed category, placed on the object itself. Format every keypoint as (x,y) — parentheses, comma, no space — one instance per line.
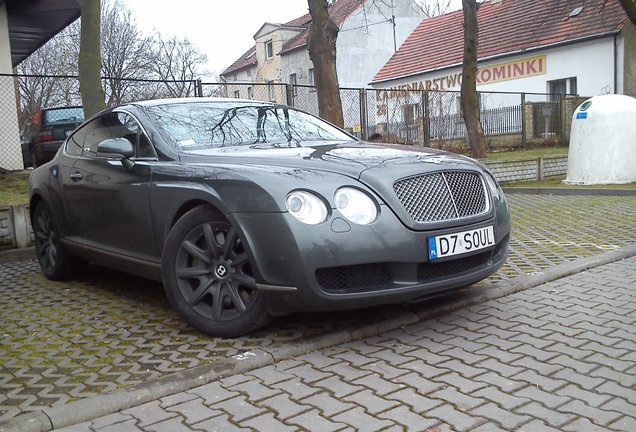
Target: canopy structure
(32,23)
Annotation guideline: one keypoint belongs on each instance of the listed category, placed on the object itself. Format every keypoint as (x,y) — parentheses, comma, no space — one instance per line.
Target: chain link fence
(423,118)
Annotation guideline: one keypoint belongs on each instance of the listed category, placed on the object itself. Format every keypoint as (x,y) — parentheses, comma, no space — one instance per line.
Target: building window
(272,93)
(237,94)
(250,93)
(269,49)
(565,86)
(294,83)
(311,77)
(411,113)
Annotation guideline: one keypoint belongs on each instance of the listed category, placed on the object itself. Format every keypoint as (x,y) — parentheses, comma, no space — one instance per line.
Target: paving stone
(214,392)
(460,400)
(625,423)
(409,421)
(221,423)
(283,406)
(505,418)
(502,383)
(553,417)
(504,399)
(149,413)
(370,402)
(328,404)
(536,426)
(267,422)
(421,384)
(194,411)
(598,416)
(582,424)
(416,401)
(315,422)
(378,384)
(358,419)
(129,426)
(459,421)
(347,371)
(548,399)
(296,388)
(455,380)
(255,389)
(338,386)
(239,408)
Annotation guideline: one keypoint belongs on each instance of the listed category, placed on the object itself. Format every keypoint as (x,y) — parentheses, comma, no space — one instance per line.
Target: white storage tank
(603,141)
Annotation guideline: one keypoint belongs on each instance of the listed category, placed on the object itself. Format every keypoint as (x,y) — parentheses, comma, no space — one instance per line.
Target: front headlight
(356,205)
(493,185)
(306,207)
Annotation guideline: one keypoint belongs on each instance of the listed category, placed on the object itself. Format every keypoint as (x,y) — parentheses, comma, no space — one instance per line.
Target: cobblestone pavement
(64,342)
(559,357)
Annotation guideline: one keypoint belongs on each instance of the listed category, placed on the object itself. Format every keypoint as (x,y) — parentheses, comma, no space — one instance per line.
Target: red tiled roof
(339,13)
(509,28)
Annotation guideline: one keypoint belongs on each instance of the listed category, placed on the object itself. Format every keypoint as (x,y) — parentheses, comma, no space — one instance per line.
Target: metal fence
(426,118)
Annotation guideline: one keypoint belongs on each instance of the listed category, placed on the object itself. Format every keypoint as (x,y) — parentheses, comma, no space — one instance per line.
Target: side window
(75,143)
(84,141)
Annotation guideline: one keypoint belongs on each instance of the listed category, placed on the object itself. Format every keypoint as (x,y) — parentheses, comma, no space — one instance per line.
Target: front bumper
(338,265)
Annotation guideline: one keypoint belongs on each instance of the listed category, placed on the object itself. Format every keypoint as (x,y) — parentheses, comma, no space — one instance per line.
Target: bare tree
(177,63)
(469,98)
(48,76)
(126,54)
(321,44)
(434,8)
(90,60)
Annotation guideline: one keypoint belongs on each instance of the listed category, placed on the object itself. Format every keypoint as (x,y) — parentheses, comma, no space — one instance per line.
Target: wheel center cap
(221,271)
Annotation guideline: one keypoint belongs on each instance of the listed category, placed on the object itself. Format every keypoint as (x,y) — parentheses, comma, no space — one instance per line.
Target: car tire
(55,261)
(208,276)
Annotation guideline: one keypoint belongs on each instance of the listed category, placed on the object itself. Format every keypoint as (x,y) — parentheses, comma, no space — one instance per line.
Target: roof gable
(339,12)
(509,28)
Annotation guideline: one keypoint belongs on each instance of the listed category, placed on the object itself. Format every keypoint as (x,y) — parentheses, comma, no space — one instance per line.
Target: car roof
(154,102)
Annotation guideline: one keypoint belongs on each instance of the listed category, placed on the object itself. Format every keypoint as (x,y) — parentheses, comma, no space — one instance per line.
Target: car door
(107,201)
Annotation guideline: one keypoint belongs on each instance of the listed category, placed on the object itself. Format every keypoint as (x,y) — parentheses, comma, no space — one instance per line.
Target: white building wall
(592,63)
(366,40)
(10,150)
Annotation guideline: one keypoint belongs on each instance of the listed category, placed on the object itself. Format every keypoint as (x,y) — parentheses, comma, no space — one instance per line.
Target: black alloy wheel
(208,276)
(55,261)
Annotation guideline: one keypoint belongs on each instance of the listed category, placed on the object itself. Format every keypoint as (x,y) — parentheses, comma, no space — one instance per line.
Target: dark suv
(46,130)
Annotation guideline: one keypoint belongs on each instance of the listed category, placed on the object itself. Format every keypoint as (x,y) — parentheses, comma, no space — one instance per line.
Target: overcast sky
(221,29)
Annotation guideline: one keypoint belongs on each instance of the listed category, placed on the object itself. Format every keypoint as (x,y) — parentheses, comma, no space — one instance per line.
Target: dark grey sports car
(249,210)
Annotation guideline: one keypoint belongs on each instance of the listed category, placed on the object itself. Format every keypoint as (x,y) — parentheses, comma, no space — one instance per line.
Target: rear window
(64,115)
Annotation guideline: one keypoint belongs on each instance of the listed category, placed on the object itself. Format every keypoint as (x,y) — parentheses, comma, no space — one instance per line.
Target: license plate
(67,132)
(459,243)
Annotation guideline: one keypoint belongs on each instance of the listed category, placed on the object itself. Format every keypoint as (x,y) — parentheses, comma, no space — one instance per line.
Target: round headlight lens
(356,205)
(306,207)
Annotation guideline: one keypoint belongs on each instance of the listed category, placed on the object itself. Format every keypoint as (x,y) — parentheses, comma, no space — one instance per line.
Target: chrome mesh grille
(442,196)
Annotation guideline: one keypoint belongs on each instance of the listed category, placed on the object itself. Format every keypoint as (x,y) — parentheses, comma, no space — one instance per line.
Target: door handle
(77,176)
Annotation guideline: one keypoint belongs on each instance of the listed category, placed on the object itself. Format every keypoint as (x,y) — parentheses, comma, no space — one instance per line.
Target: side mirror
(118,146)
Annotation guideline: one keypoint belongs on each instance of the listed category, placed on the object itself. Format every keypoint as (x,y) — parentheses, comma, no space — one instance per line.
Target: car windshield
(64,115)
(200,125)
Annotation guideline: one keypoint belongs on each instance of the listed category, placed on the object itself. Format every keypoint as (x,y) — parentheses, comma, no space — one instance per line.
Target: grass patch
(557,182)
(13,189)
(537,152)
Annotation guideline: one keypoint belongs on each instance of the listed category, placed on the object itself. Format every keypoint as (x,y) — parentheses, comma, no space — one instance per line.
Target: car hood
(356,160)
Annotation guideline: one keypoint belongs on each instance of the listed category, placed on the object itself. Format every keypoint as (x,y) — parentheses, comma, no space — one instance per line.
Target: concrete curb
(13,255)
(87,409)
